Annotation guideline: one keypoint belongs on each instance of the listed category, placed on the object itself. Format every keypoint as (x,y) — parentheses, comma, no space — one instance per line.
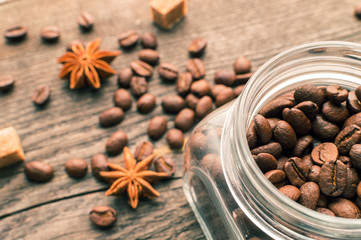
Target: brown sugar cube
(166,13)
(10,147)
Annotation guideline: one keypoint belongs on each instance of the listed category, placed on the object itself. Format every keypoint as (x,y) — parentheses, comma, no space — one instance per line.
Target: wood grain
(68,126)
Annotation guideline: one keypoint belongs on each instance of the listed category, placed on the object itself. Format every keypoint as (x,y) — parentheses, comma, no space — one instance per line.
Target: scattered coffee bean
(149,56)
(216,89)
(128,39)
(175,138)
(344,208)
(263,129)
(224,77)
(197,47)
(50,34)
(41,95)
(103,216)
(16,34)
(69,46)
(332,179)
(291,192)
(200,88)
(116,142)
(357,10)
(298,120)
(38,171)
(266,162)
(204,107)
(196,68)
(85,21)
(165,164)
(141,68)
(99,162)
(157,127)
(273,148)
(241,79)
(224,97)
(168,72)
(76,167)
(146,103)
(111,117)
(349,136)
(325,152)
(310,192)
(296,171)
(191,101)
(184,83)
(285,135)
(185,119)
(122,99)
(149,40)
(173,104)
(238,90)
(124,77)
(7,82)
(242,65)
(143,150)
(353,104)
(310,109)
(276,177)
(336,94)
(138,86)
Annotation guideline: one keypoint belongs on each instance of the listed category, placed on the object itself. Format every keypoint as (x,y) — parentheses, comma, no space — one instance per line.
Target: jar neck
(321,63)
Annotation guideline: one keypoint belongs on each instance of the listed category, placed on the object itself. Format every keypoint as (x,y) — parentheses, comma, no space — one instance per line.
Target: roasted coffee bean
(7,82)
(263,129)
(149,56)
(296,171)
(146,103)
(242,65)
(149,40)
(310,192)
(69,46)
(238,90)
(111,117)
(358,190)
(200,88)
(325,211)
(122,99)
(325,152)
(352,180)
(204,107)
(273,148)
(168,72)
(276,177)
(354,119)
(310,109)
(50,34)
(309,93)
(124,77)
(212,162)
(346,160)
(308,160)
(224,77)
(175,138)
(302,145)
(196,67)
(336,94)
(252,136)
(41,95)
(173,104)
(335,113)
(332,179)
(224,97)
(138,86)
(128,39)
(353,104)
(99,162)
(116,142)
(266,162)
(103,216)
(349,136)
(197,47)
(285,135)
(355,155)
(184,83)
(185,119)
(275,107)
(141,68)
(143,150)
(198,144)
(314,173)
(216,89)
(85,21)
(15,34)
(165,164)
(357,10)
(281,162)
(241,79)
(344,208)
(76,167)
(157,127)
(358,93)
(38,171)
(291,192)
(323,129)
(298,120)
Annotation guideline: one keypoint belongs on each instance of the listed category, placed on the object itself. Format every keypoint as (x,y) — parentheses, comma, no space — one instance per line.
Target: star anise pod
(135,178)
(87,65)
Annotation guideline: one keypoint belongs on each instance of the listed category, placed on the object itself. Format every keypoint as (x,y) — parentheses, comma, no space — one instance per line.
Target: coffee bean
(76,167)
(275,107)
(344,208)
(41,95)
(168,72)
(357,10)
(99,162)
(122,99)
(116,142)
(197,47)
(273,148)
(252,136)
(336,94)
(238,90)
(352,180)
(241,79)
(216,89)
(149,56)
(39,171)
(349,136)
(15,34)
(165,164)
(298,120)
(173,104)
(281,162)
(7,82)
(309,93)
(310,109)
(191,101)
(296,171)
(346,160)
(157,127)
(141,68)
(204,107)
(285,135)
(324,129)
(103,216)
(69,46)
(302,145)
(224,97)
(124,77)
(266,162)
(149,40)
(175,138)
(198,144)
(85,21)
(263,129)
(314,173)
(307,160)
(200,88)
(335,113)
(358,190)
(242,65)
(212,162)
(196,68)
(184,119)
(354,119)
(111,117)
(325,152)
(128,39)
(146,103)
(332,179)
(273,122)
(325,211)
(138,86)
(358,93)
(50,34)
(291,192)
(355,155)
(353,104)
(310,192)
(276,177)
(143,150)
(224,77)
(184,83)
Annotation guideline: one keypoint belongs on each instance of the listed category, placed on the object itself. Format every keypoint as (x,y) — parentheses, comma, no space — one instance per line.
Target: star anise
(135,178)
(87,64)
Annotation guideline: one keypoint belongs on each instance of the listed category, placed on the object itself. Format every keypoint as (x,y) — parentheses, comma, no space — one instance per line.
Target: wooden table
(68,126)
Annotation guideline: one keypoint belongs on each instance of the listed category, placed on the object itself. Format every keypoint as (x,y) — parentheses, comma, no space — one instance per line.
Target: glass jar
(227,191)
